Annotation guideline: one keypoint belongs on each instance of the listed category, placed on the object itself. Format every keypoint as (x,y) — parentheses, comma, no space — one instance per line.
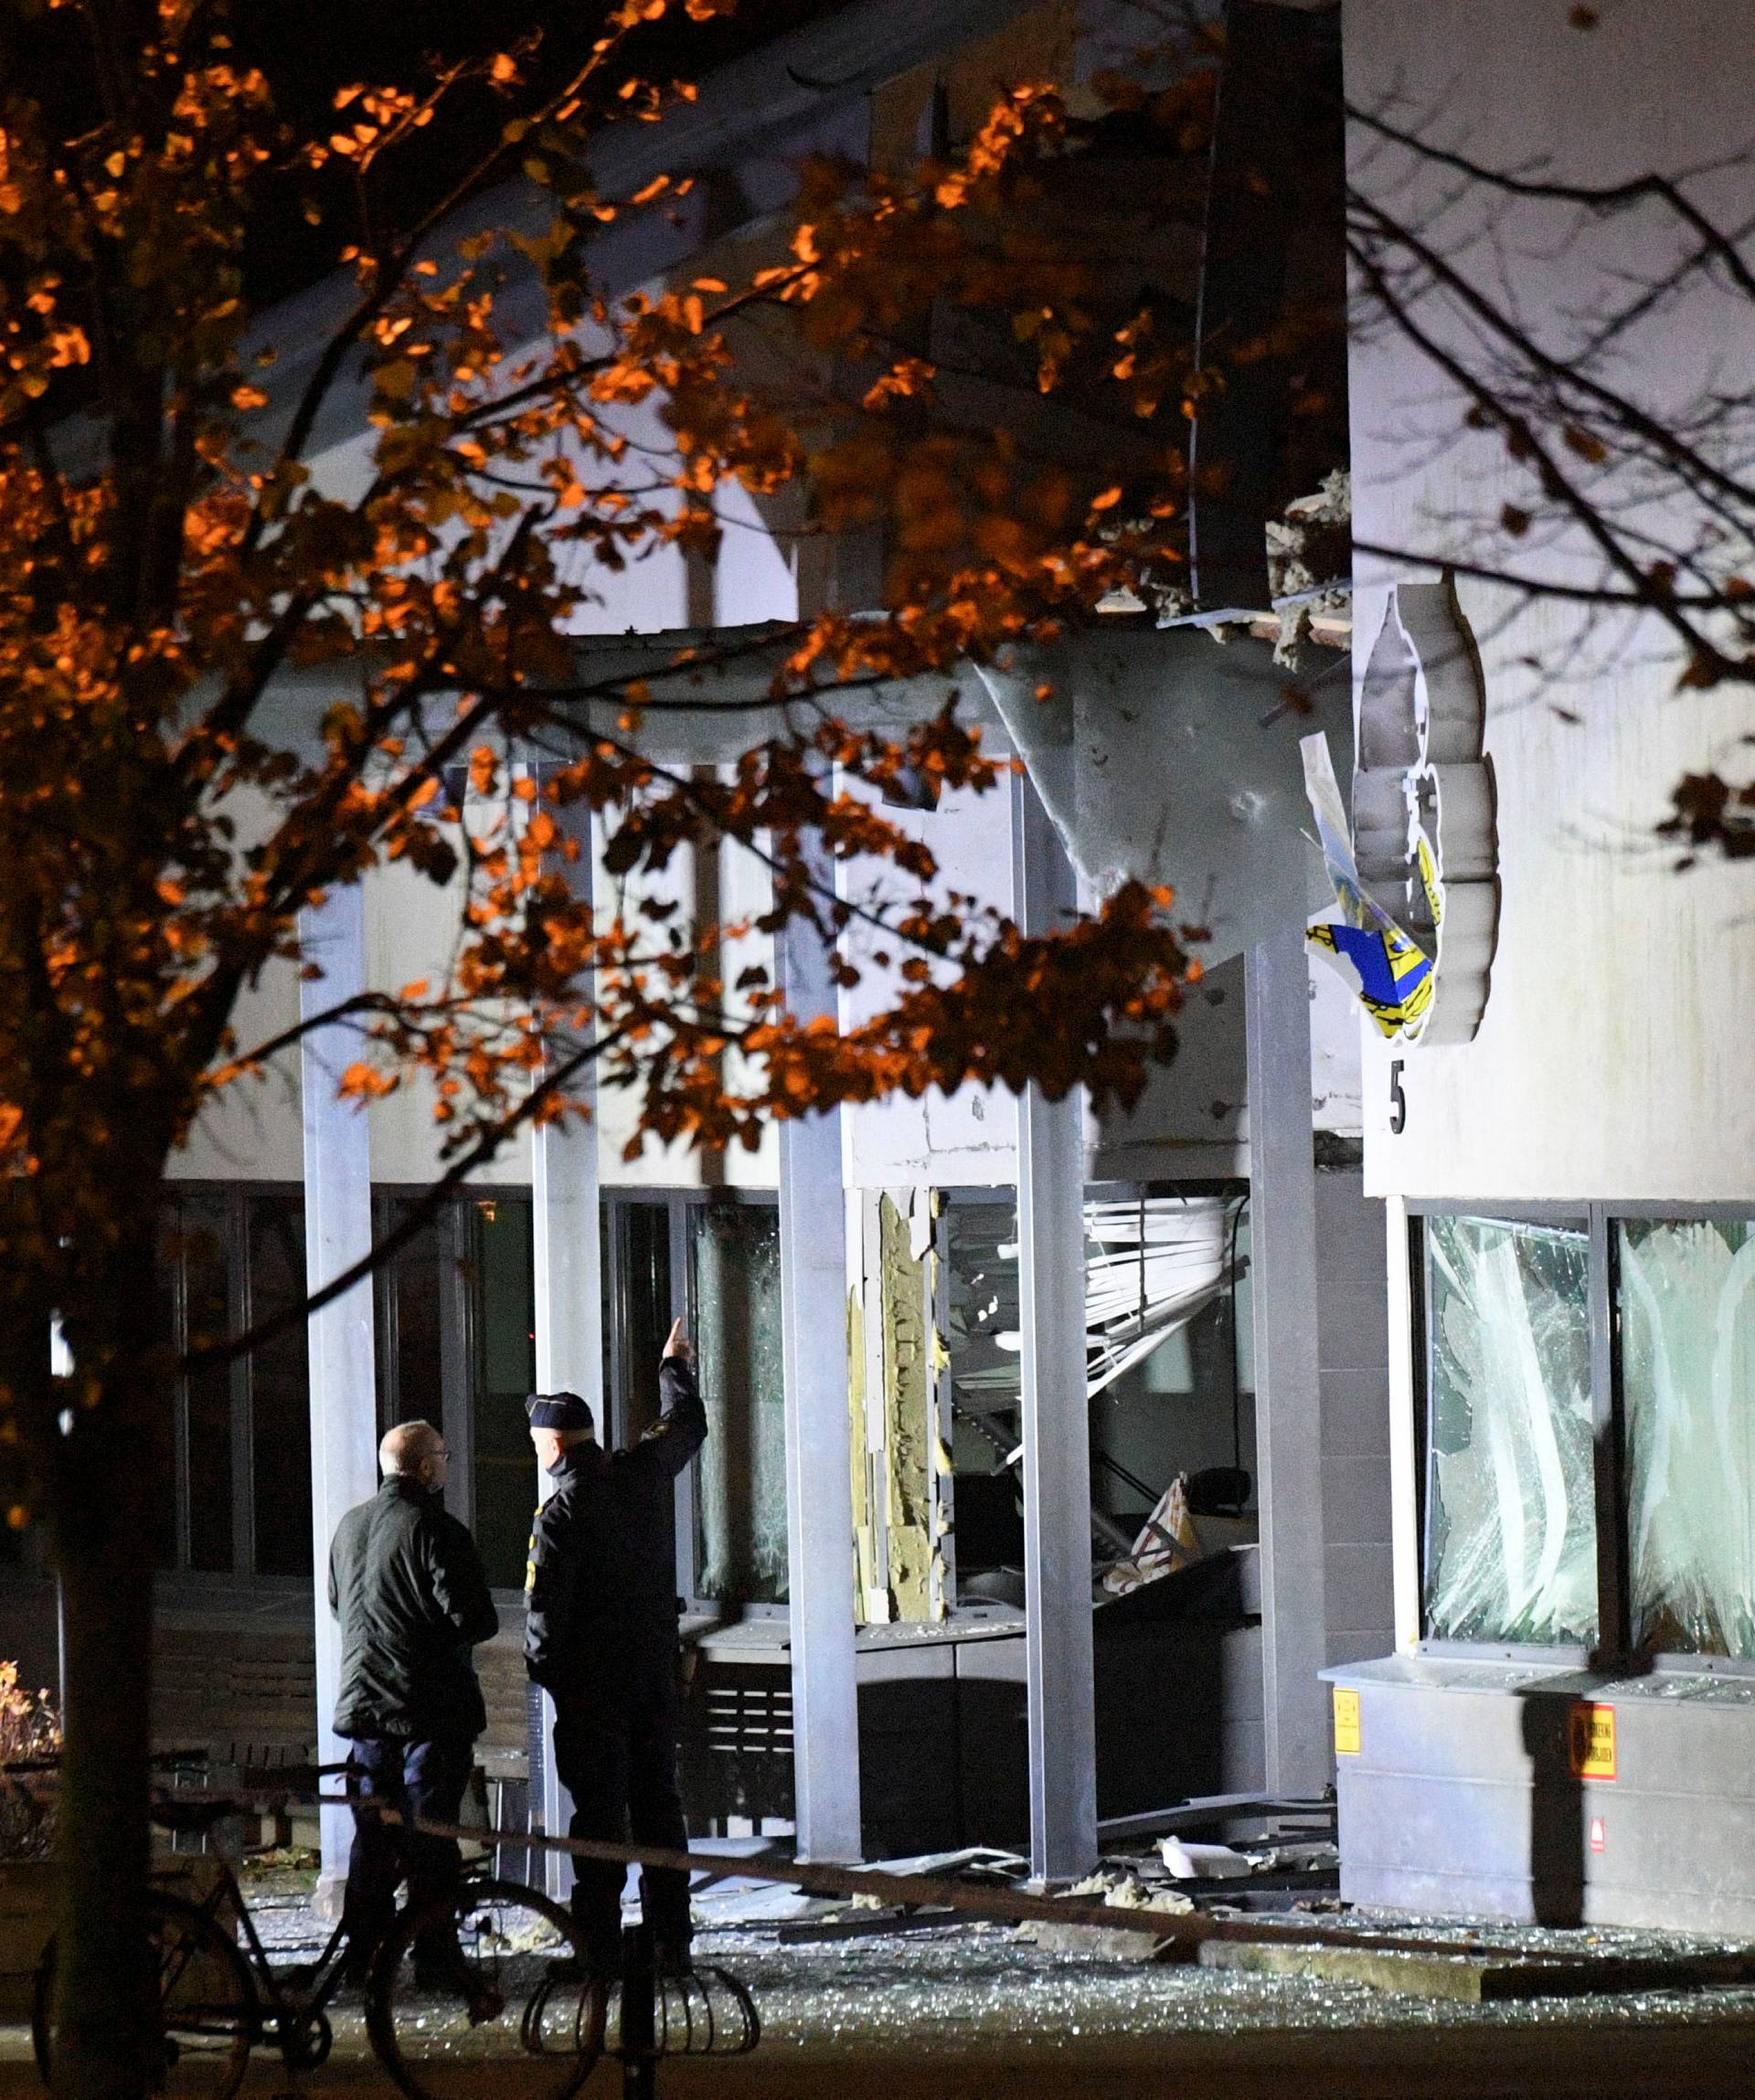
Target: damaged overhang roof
(1164,755)
(1159,753)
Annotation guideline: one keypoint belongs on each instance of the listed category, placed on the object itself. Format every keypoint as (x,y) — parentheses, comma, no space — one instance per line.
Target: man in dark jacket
(407,1585)
(602,1639)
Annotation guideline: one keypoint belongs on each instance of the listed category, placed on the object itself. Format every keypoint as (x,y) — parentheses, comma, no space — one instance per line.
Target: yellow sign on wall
(1347,1722)
(1590,1741)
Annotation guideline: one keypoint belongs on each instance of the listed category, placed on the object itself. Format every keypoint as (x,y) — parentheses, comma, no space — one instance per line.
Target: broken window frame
(1615,1646)
(696,1208)
(1229,1192)
(1690,1660)
(1573,1220)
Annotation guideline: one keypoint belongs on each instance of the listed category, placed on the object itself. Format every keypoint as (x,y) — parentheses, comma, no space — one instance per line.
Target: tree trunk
(107,1481)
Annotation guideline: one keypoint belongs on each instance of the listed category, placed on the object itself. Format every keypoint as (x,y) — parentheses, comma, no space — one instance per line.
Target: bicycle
(525,1993)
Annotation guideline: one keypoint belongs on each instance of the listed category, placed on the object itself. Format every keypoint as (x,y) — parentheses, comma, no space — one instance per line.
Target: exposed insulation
(909,1435)
(897,1368)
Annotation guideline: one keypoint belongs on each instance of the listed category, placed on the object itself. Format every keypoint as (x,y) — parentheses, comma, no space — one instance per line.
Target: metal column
(337,1233)
(1288,1398)
(819,1481)
(1056,1422)
(568,1260)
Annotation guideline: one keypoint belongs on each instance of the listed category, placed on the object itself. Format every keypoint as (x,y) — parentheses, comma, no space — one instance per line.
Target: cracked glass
(1687,1341)
(1511,1519)
(740,1344)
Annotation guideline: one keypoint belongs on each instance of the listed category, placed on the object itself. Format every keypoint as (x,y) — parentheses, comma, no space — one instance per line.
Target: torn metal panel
(1166,757)
(1423,853)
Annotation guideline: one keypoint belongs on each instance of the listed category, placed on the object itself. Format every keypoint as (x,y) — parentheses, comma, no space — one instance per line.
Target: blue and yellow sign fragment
(1389,972)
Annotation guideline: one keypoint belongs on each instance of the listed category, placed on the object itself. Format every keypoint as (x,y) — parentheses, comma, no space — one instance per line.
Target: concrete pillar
(567,1258)
(819,1481)
(337,1233)
(1056,1431)
(1288,1396)
(1404,1445)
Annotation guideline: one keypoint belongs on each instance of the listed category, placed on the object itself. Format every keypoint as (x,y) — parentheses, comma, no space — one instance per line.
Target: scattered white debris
(983,1859)
(1124,1890)
(1189,1862)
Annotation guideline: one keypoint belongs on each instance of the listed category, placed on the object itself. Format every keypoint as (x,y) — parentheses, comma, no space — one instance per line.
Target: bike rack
(704,2011)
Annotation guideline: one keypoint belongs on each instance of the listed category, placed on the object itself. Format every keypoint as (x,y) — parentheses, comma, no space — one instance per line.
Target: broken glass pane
(1687,1338)
(1151,1265)
(742,1467)
(1512,1533)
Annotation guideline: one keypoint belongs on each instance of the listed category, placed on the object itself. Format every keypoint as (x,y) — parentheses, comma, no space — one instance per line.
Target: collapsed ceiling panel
(1152,1264)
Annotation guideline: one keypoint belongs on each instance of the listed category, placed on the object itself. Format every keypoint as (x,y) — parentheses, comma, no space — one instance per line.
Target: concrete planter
(1537,1792)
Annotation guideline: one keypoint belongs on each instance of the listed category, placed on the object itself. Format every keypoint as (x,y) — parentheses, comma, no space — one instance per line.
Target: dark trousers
(617,1758)
(420,1780)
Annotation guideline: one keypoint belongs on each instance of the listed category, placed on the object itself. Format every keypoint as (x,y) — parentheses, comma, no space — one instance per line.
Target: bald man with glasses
(407,1585)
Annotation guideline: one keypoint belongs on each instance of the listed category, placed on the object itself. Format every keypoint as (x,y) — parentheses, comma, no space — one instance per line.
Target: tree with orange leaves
(173,557)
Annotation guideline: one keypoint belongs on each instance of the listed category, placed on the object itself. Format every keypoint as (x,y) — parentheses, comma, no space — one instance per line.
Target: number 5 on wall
(1398,1099)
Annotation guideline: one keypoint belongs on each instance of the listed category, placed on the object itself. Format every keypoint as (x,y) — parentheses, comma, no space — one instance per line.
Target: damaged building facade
(1036,1497)
(1564,1729)
(1372,1404)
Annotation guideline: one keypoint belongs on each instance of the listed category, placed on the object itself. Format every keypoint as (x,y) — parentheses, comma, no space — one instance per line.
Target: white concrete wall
(1612,1059)
(970,1137)
(252,1131)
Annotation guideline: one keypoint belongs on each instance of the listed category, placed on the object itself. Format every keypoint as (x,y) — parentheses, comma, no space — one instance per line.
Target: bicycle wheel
(206,2003)
(512,1988)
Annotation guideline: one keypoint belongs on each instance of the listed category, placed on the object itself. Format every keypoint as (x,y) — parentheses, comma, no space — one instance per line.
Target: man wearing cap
(600,1638)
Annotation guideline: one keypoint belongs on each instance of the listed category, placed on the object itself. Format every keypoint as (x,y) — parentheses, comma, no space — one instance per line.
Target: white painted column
(343,1370)
(566,1250)
(819,1483)
(1288,1393)
(1056,1428)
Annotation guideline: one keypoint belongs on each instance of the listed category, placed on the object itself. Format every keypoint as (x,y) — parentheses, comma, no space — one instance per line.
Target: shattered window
(1687,1338)
(1512,1533)
(739,1345)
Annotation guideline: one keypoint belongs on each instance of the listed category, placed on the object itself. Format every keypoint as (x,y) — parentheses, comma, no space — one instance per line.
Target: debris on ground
(975,1984)
(968,1863)
(1192,1862)
(1121,1889)
(1188,1861)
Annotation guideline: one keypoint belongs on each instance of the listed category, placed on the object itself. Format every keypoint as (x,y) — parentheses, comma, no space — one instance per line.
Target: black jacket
(407,1585)
(601,1584)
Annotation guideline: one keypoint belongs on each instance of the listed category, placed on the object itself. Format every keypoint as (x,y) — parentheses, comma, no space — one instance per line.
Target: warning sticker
(1591,1741)
(1347,1722)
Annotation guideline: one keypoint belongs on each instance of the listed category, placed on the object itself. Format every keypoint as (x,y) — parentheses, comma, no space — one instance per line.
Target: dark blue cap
(559,1411)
